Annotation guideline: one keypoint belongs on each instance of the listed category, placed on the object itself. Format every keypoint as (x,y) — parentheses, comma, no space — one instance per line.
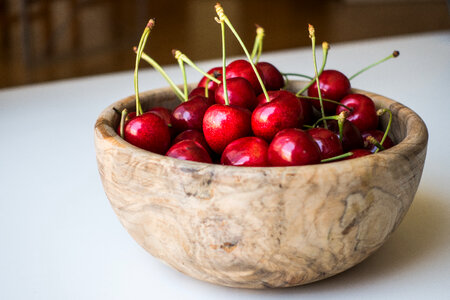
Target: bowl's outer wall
(260,227)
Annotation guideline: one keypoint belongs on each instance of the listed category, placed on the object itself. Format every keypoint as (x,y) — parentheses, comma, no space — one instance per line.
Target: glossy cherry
(189,150)
(223,124)
(246,152)
(363,114)
(328,142)
(148,131)
(242,68)
(129,117)
(194,135)
(358,153)
(378,135)
(273,80)
(217,73)
(200,91)
(283,111)
(166,115)
(293,147)
(351,137)
(308,112)
(240,93)
(333,85)
(189,114)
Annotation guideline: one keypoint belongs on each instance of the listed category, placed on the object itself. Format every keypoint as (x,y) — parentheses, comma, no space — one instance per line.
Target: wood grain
(260,227)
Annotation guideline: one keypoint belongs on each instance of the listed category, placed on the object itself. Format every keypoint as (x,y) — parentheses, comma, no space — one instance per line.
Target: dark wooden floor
(47,40)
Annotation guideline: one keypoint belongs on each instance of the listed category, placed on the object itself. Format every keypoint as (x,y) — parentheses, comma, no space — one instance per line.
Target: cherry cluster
(240,114)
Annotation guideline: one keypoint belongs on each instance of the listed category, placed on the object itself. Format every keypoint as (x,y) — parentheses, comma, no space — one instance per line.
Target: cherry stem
(325,48)
(313,42)
(379,113)
(206,87)
(140,49)
(179,55)
(183,71)
(123,117)
(298,75)
(257,45)
(339,118)
(326,100)
(224,61)
(370,139)
(337,157)
(157,67)
(325,118)
(393,55)
(224,18)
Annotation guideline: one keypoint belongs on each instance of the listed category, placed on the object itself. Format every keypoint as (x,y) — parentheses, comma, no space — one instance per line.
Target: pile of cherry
(239,114)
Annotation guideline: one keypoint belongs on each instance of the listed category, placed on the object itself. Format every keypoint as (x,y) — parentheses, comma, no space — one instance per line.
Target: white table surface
(60,239)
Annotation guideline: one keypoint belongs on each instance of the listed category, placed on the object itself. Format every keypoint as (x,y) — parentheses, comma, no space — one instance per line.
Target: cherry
(194,135)
(351,136)
(358,153)
(283,111)
(223,124)
(273,80)
(333,85)
(200,91)
(217,73)
(240,93)
(246,152)
(328,142)
(148,131)
(129,116)
(378,135)
(308,113)
(189,150)
(189,114)
(293,147)
(363,114)
(242,68)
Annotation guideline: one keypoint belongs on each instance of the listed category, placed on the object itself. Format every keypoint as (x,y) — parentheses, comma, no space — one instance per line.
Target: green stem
(224,63)
(183,71)
(140,49)
(182,56)
(259,51)
(325,118)
(326,100)
(224,18)
(257,42)
(122,122)
(155,65)
(298,75)
(206,87)
(337,157)
(393,55)
(387,128)
(313,42)
(325,48)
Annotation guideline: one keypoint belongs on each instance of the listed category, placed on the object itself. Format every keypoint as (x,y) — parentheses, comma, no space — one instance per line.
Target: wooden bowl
(260,227)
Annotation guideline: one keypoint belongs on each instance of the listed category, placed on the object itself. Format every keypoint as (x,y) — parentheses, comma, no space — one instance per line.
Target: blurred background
(43,40)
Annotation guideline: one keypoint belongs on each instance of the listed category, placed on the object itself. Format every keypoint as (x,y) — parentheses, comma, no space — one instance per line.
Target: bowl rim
(415,140)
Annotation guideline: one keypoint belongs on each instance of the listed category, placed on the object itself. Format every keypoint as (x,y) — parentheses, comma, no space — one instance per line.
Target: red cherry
(216,72)
(246,151)
(273,80)
(358,153)
(223,124)
(283,111)
(166,115)
(194,135)
(293,147)
(308,113)
(378,135)
(189,114)
(129,117)
(200,91)
(189,150)
(333,85)
(240,93)
(242,68)
(328,142)
(351,137)
(148,131)
(363,114)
